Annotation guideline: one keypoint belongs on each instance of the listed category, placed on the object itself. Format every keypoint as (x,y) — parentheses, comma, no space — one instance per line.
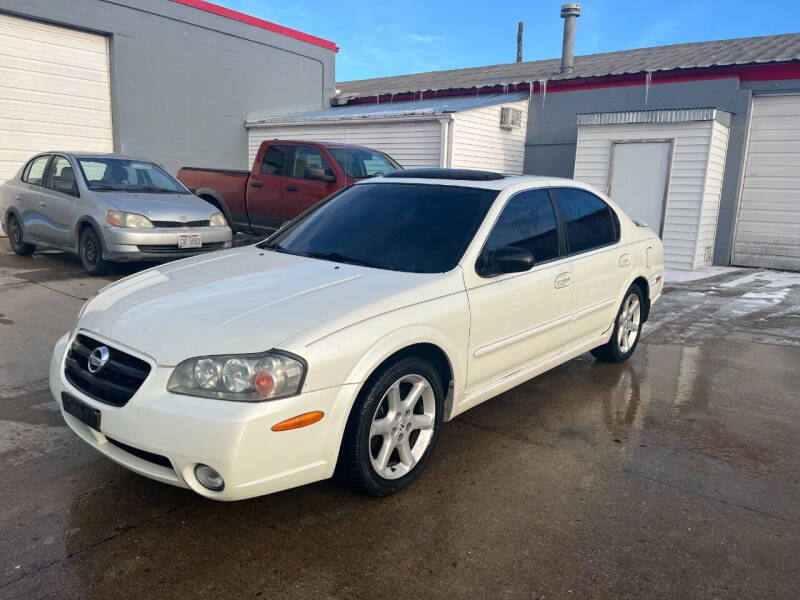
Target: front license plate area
(81,411)
(189,240)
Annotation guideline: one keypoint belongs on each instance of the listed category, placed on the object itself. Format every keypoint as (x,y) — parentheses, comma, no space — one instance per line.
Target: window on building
(589,222)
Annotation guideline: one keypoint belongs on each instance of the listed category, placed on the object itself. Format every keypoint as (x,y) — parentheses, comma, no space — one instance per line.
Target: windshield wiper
(338,257)
(153,189)
(275,246)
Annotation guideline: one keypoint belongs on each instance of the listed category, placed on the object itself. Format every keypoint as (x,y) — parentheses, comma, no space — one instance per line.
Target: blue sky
(378,38)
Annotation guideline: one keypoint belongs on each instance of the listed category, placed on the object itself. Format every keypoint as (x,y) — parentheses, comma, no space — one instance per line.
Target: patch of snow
(773,279)
(776,297)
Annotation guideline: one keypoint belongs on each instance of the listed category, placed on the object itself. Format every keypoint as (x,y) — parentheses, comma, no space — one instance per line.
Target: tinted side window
(275,159)
(588,221)
(310,164)
(527,221)
(35,171)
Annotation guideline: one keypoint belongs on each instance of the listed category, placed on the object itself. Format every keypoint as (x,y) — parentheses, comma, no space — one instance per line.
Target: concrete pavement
(672,475)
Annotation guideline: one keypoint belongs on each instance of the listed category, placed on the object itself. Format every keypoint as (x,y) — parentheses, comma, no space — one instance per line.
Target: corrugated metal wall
(768,227)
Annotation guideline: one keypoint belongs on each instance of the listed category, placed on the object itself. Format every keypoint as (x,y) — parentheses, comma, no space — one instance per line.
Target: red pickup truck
(287,178)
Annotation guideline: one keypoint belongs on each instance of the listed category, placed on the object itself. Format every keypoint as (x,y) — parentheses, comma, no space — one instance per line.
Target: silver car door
(30,198)
(58,202)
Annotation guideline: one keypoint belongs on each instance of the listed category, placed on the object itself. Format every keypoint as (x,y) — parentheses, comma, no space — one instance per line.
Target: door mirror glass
(318,173)
(510,259)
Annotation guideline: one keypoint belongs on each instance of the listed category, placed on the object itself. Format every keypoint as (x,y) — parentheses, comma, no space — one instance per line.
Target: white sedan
(341,344)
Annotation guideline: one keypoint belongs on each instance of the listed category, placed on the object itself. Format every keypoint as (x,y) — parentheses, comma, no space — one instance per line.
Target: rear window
(401,227)
(589,222)
(34,172)
(275,160)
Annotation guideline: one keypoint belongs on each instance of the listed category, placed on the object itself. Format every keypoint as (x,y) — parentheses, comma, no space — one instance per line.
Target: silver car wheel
(628,323)
(402,426)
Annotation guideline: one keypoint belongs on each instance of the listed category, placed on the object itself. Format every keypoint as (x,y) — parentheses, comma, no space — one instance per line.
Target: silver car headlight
(218,220)
(119,218)
(245,377)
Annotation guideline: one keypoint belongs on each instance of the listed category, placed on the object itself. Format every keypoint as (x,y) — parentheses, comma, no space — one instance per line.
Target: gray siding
(184,79)
(553,131)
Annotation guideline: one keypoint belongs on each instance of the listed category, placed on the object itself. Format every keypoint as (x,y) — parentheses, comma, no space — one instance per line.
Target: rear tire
(627,329)
(16,237)
(91,252)
(393,428)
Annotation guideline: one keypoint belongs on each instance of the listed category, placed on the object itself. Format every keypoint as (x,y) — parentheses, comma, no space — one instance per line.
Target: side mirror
(317,173)
(510,259)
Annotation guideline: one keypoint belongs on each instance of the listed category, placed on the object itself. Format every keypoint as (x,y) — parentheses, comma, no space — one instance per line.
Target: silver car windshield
(126,175)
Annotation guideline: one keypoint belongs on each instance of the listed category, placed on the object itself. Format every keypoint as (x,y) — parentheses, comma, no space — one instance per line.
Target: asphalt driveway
(676,474)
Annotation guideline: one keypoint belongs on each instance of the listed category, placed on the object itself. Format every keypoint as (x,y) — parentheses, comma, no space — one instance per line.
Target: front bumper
(123,245)
(235,438)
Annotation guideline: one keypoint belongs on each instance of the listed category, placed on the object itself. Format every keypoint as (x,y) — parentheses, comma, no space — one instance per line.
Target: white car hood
(245,300)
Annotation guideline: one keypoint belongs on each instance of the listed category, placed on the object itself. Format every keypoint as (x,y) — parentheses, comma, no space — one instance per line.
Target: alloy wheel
(629,321)
(402,426)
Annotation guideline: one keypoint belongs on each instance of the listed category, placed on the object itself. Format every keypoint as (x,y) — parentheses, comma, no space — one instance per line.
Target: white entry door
(638,183)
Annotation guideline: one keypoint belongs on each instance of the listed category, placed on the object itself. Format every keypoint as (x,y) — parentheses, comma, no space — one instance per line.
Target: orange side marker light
(299,421)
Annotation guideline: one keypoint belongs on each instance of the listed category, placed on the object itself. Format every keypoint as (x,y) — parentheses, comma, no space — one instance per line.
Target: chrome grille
(115,383)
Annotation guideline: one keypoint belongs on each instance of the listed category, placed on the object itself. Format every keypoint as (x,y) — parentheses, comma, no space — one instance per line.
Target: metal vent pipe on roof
(519,41)
(569,12)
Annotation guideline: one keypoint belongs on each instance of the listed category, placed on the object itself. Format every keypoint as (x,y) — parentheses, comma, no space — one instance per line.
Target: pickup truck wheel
(627,329)
(16,237)
(91,253)
(393,428)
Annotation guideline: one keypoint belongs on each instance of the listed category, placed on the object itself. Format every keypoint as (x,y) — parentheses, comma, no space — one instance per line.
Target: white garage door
(768,229)
(55,91)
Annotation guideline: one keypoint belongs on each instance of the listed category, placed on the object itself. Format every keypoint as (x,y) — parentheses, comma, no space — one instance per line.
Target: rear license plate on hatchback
(81,411)
(189,240)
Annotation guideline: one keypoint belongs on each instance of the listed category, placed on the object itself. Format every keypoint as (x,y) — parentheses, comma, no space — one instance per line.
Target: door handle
(624,260)
(17,197)
(255,184)
(292,188)
(42,204)
(563,280)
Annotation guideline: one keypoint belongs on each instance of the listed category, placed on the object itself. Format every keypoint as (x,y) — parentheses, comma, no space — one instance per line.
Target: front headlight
(246,378)
(119,218)
(218,220)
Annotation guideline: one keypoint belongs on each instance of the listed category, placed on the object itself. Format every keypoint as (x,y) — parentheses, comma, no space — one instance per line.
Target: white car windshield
(123,174)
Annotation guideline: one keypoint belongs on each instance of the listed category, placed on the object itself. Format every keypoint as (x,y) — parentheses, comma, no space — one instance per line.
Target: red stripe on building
(260,23)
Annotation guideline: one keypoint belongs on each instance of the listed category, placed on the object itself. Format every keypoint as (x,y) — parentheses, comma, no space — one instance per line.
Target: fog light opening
(209,478)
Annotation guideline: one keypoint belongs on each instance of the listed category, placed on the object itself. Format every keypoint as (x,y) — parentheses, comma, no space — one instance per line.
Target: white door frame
(671,142)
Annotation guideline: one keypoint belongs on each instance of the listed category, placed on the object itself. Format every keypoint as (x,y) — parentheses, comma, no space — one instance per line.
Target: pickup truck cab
(287,178)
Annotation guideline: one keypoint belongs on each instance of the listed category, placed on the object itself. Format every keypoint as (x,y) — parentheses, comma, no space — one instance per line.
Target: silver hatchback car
(107,208)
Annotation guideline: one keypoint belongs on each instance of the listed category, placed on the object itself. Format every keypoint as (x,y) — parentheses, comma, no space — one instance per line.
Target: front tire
(627,329)
(16,237)
(393,428)
(91,252)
